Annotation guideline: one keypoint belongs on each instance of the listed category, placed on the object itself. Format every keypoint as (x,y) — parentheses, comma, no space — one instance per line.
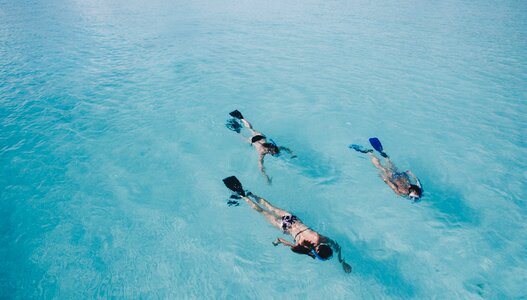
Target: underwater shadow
(314,165)
(385,271)
(448,203)
(304,160)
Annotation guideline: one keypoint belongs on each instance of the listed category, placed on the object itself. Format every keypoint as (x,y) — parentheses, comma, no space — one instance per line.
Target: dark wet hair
(272,147)
(416,189)
(324,251)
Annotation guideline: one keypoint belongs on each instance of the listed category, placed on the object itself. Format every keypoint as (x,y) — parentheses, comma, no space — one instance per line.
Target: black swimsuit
(257,138)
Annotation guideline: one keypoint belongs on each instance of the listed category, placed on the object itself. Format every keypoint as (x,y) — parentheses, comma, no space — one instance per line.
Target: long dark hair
(272,147)
(324,251)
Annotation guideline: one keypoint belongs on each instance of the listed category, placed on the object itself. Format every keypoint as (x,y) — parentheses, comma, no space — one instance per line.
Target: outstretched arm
(262,168)
(390,184)
(279,241)
(295,248)
(336,247)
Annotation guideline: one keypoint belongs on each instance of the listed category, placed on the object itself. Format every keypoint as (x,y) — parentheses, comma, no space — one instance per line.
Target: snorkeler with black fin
(258,140)
(399,182)
(306,240)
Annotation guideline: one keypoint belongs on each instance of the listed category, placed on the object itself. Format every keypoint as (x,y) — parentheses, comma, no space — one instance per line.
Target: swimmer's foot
(236,114)
(360,148)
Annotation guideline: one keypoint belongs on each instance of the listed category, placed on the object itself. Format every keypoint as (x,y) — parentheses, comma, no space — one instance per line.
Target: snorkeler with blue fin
(258,140)
(399,182)
(307,241)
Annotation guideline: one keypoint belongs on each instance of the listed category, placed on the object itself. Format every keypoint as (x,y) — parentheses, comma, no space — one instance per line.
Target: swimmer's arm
(261,164)
(390,184)
(295,248)
(283,242)
(262,168)
(336,247)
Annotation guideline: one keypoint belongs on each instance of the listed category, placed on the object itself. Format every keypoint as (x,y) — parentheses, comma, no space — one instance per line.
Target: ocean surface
(113,147)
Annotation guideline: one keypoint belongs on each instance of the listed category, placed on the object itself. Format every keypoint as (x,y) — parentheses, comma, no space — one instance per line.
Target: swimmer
(258,140)
(306,240)
(399,182)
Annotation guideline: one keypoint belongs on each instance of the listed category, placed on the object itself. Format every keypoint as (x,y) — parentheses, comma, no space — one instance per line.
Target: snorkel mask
(414,198)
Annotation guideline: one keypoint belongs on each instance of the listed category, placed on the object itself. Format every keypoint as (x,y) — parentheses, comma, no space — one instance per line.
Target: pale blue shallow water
(113,147)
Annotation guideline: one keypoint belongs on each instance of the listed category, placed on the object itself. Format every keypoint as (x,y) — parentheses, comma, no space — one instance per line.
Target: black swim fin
(234,185)
(236,114)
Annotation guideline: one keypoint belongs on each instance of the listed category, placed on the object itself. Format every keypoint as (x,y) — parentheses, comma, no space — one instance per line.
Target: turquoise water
(113,147)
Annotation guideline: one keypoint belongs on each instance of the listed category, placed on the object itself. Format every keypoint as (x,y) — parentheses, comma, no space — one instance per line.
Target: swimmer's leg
(250,127)
(386,174)
(277,211)
(276,222)
(377,163)
(390,165)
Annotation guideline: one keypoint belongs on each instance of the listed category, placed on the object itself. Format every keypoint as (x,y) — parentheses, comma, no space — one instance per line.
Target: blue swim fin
(359,148)
(376,144)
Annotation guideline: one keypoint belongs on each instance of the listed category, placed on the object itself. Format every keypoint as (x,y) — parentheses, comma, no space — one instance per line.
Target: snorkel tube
(316,255)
